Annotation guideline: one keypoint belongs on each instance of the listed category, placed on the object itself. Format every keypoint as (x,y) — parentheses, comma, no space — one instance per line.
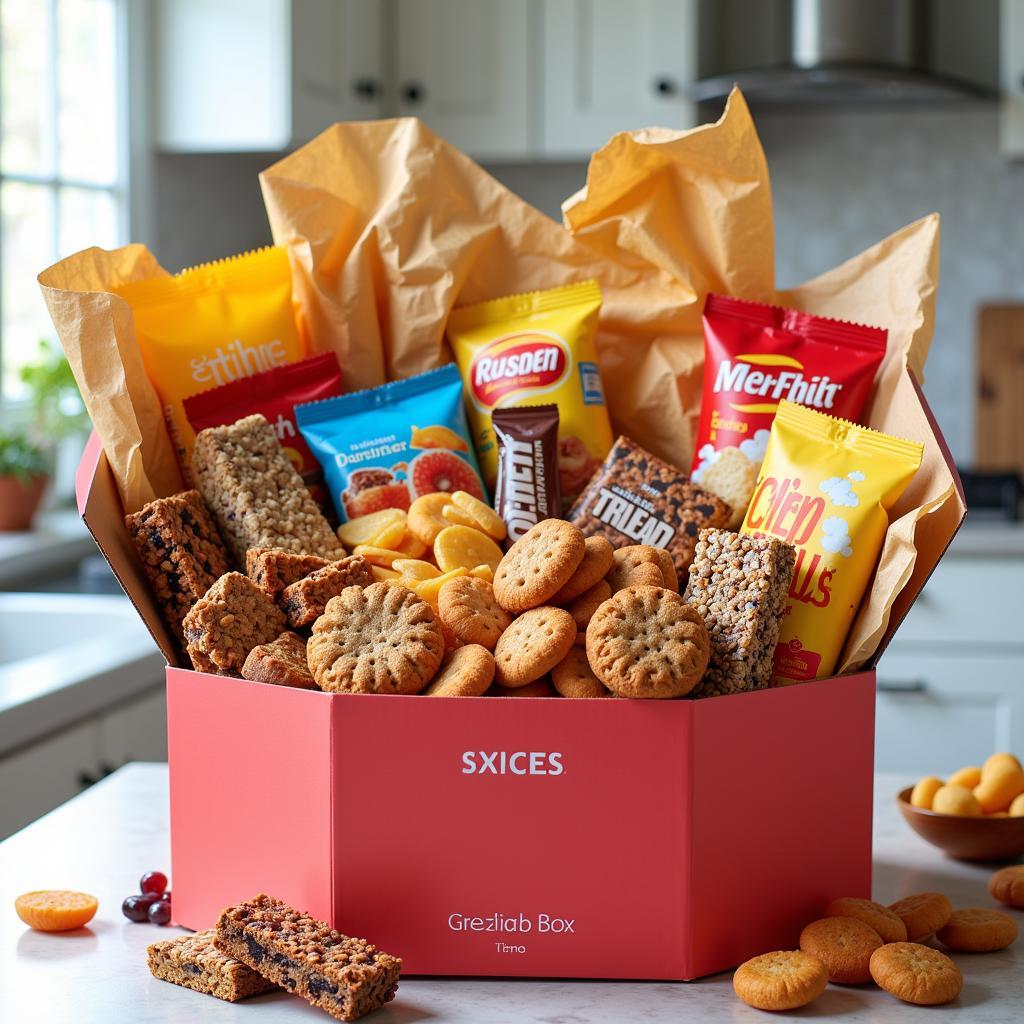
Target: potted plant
(23,477)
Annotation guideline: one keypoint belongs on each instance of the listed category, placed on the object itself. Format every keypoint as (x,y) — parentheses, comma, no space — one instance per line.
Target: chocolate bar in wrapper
(527,487)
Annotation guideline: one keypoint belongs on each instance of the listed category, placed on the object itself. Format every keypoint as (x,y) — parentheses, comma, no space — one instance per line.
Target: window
(63,154)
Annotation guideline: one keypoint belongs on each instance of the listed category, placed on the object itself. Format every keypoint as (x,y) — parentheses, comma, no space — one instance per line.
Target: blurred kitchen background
(149,120)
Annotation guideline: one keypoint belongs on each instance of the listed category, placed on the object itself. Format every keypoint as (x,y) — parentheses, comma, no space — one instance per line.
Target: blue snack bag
(376,455)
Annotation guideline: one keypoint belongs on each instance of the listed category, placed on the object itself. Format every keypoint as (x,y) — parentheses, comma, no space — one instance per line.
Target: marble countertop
(103,840)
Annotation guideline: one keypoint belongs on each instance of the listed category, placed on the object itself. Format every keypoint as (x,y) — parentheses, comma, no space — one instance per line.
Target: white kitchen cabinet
(136,731)
(469,71)
(611,67)
(1011,64)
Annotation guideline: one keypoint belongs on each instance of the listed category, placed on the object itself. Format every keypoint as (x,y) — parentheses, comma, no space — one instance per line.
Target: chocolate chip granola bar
(272,569)
(305,600)
(194,962)
(227,622)
(739,584)
(346,977)
(255,493)
(181,551)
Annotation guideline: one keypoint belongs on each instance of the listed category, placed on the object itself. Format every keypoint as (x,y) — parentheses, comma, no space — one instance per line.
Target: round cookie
(573,677)
(533,645)
(1007,886)
(583,608)
(648,642)
(844,945)
(538,565)
(780,981)
(636,565)
(597,560)
(888,925)
(922,913)
(381,639)
(466,605)
(668,569)
(916,974)
(538,688)
(978,930)
(465,672)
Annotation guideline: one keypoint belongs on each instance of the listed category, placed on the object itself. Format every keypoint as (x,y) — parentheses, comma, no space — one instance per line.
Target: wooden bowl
(965,838)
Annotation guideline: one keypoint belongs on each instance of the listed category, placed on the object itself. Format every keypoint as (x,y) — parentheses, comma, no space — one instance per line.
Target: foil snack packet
(275,393)
(826,486)
(525,348)
(527,487)
(384,447)
(757,355)
(210,325)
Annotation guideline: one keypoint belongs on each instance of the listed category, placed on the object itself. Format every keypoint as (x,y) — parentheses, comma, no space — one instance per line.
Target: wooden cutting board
(999,415)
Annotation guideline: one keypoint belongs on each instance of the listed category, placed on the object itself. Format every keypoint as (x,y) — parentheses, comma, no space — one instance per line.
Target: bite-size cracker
(783,980)
(573,677)
(916,974)
(978,930)
(636,565)
(732,477)
(597,560)
(377,639)
(1007,886)
(533,644)
(467,606)
(538,565)
(844,945)
(466,671)
(281,662)
(924,913)
(888,925)
(273,569)
(305,600)
(647,642)
(193,961)
(227,622)
(583,608)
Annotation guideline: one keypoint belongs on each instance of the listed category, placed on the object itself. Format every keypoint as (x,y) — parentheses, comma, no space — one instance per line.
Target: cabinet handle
(366,88)
(665,86)
(413,92)
(897,686)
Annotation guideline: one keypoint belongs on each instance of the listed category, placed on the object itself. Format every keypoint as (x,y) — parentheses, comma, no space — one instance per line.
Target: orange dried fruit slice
(56,910)
(456,517)
(429,589)
(375,555)
(486,518)
(411,546)
(437,436)
(425,518)
(415,568)
(363,529)
(384,575)
(390,537)
(484,572)
(463,546)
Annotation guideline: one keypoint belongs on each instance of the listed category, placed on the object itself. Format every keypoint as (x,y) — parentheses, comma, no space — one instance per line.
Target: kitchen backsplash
(841,181)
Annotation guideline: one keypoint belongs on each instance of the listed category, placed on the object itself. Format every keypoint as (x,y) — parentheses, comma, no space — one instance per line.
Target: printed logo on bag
(517,365)
(775,377)
(519,762)
(633,516)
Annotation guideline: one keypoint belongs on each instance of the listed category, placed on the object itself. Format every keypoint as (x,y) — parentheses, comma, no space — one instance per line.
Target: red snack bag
(275,393)
(756,355)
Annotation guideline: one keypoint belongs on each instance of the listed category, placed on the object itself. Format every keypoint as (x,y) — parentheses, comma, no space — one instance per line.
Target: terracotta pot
(19,501)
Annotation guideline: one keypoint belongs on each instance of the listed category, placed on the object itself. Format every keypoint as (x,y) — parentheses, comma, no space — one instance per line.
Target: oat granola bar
(346,977)
(304,601)
(227,622)
(181,551)
(739,584)
(272,569)
(255,493)
(281,662)
(194,962)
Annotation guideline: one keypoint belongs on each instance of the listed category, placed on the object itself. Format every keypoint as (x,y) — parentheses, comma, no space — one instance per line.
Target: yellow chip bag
(212,324)
(826,486)
(532,348)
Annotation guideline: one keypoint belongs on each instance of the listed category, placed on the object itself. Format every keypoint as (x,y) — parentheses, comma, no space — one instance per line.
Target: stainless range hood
(849,51)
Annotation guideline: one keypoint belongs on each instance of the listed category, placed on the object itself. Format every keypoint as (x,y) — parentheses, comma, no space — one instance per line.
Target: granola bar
(257,496)
(194,962)
(181,551)
(344,976)
(739,583)
(636,498)
(282,662)
(304,601)
(272,569)
(227,622)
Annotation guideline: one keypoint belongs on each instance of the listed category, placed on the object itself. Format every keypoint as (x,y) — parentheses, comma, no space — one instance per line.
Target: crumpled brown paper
(389,227)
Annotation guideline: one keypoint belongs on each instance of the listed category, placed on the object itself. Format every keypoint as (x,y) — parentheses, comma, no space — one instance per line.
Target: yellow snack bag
(826,486)
(212,324)
(532,348)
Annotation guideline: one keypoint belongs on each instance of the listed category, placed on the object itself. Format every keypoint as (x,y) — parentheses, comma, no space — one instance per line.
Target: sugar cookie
(916,974)
(780,981)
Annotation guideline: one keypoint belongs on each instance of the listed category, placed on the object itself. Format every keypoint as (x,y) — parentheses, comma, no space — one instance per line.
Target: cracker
(783,980)
(732,477)
(465,672)
(923,913)
(538,565)
(916,974)
(193,961)
(597,560)
(888,925)
(647,642)
(636,565)
(583,608)
(227,622)
(381,639)
(978,930)
(273,569)
(305,600)
(844,945)
(533,644)
(281,662)
(1007,886)
(573,677)
(467,606)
